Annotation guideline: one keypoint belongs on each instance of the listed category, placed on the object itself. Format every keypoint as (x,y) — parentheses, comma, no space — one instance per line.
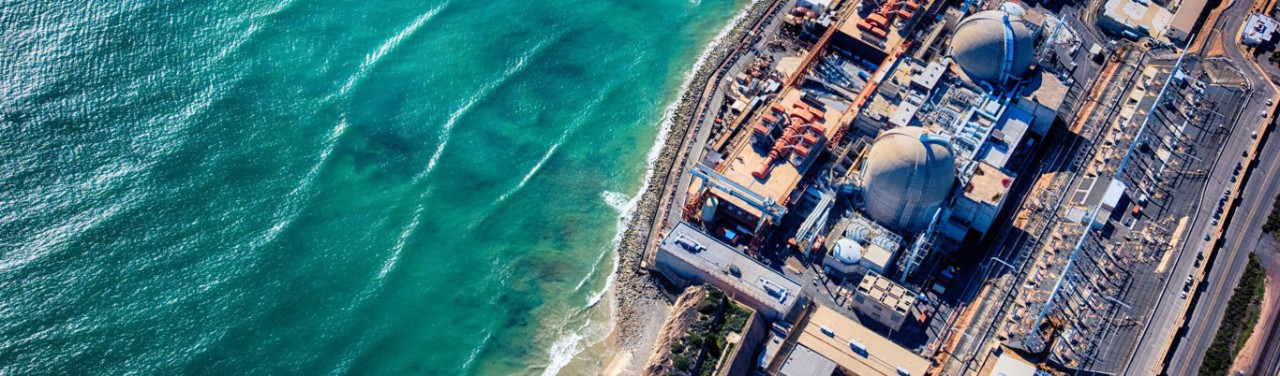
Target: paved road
(1242,233)
(1252,207)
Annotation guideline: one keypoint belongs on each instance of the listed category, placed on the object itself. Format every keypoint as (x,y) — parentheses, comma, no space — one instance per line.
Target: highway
(1251,206)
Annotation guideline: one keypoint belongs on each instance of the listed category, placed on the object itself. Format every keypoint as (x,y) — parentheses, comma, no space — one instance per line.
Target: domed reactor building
(906,177)
(942,132)
(993,48)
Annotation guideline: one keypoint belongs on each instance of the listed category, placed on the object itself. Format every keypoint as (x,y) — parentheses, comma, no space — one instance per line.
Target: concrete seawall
(636,291)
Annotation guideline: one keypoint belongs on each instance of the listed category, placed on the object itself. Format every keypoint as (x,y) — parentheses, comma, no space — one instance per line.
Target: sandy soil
(681,318)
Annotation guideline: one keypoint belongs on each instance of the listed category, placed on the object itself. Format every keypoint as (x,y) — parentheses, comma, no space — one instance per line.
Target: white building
(864,247)
(1135,19)
(1258,30)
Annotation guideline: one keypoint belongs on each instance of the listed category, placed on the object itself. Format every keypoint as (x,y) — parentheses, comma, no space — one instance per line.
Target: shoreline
(639,303)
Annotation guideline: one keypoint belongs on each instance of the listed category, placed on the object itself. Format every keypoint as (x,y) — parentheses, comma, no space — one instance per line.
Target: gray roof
(906,179)
(806,362)
(992,45)
(714,260)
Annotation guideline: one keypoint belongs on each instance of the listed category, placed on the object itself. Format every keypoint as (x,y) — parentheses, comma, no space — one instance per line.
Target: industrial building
(862,246)
(1258,29)
(883,300)
(874,166)
(1010,363)
(906,177)
(830,343)
(1135,19)
(1184,20)
(879,28)
(974,210)
(994,47)
(688,256)
(754,184)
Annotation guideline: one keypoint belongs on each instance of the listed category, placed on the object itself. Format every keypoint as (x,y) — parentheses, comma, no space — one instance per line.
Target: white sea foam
(401,240)
(476,351)
(561,352)
(447,131)
(568,345)
(371,60)
(301,193)
(617,201)
(534,170)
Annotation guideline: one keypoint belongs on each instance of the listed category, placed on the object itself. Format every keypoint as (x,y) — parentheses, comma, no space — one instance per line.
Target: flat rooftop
(988,184)
(887,292)
(716,259)
(1184,20)
(890,41)
(1139,15)
(1009,363)
(806,362)
(1047,90)
(784,177)
(1006,137)
(881,356)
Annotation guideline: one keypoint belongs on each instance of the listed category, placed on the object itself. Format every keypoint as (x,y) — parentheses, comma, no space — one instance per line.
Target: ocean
(325,186)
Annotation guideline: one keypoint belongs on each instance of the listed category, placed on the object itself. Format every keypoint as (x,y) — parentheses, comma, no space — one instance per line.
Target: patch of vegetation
(700,350)
(1273,221)
(682,362)
(1237,323)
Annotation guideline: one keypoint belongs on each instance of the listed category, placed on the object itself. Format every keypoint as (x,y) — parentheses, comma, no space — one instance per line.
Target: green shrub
(736,319)
(707,307)
(681,362)
(1237,322)
(715,293)
(1272,226)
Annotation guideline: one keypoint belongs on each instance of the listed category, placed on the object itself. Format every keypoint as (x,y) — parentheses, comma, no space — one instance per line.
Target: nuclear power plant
(871,165)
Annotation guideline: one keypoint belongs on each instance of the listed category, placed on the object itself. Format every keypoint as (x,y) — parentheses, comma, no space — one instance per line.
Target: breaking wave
(569,345)
(447,131)
(371,60)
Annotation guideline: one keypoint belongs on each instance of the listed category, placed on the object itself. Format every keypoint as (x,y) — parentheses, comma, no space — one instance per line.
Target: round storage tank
(906,177)
(993,46)
(847,251)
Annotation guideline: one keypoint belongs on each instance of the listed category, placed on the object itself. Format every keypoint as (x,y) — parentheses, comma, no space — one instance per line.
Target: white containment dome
(906,177)
(847,251)
(992,46)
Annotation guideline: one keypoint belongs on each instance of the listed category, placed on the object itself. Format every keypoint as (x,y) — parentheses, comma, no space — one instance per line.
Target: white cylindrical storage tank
(709,209)
(847,251)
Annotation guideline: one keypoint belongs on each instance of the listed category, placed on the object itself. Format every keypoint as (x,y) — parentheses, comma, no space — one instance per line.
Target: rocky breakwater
(641,304)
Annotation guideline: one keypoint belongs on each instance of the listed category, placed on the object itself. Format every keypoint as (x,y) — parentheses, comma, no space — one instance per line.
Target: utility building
(688,256)
(883,300)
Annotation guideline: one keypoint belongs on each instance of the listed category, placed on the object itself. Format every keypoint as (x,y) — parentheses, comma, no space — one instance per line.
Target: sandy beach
(640,307)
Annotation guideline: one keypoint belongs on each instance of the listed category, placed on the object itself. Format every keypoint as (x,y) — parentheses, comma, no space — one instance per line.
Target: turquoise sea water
(323,186)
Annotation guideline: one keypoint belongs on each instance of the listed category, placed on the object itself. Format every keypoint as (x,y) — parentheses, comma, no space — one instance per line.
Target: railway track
(1269,360)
